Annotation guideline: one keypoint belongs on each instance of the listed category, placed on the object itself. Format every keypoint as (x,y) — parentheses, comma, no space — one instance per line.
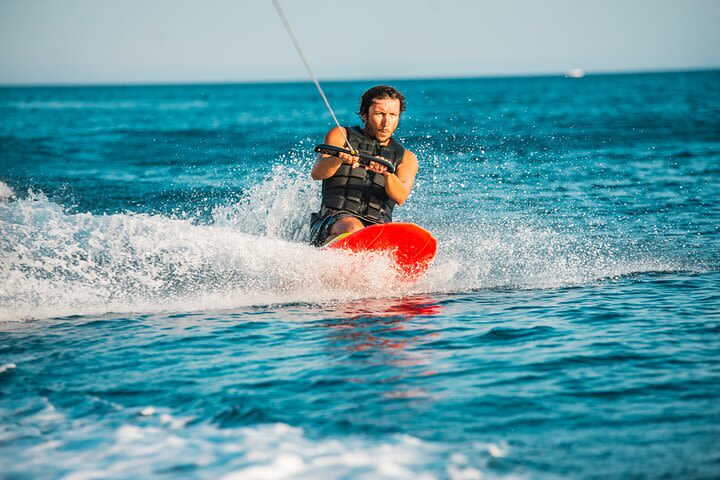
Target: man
(354,197)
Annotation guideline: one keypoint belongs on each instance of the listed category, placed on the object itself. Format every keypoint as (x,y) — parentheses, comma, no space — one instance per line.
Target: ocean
(163,316)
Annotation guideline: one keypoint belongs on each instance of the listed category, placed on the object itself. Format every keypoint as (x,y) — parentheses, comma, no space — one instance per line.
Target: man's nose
(383,122)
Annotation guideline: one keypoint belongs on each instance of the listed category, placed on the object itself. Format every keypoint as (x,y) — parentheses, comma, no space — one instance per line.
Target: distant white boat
(575,73)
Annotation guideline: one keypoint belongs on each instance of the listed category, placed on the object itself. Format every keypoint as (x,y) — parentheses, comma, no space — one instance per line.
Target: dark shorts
(320,224)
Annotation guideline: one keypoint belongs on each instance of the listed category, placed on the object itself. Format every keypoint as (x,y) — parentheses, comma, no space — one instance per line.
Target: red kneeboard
(412,247)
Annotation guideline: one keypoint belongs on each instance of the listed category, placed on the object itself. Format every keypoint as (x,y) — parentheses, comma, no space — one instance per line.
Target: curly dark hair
(379,91)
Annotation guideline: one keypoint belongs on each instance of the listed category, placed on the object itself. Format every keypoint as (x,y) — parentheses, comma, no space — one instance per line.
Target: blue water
(163,317)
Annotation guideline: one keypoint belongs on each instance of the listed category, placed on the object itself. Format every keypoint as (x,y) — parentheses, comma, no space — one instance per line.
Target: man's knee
(346,225)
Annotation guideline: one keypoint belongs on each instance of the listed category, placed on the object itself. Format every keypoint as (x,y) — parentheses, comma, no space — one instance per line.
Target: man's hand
(349,159)
(377,168)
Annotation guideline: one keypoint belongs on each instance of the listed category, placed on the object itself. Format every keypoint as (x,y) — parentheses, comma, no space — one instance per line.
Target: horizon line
(295,80)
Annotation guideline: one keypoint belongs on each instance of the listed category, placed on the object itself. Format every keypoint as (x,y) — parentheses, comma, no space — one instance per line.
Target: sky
(183,41)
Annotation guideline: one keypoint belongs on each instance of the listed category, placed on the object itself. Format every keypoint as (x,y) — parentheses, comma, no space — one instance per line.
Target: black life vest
(359,191)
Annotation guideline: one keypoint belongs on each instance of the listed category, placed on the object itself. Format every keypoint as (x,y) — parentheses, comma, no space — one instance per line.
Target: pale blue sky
(169,41)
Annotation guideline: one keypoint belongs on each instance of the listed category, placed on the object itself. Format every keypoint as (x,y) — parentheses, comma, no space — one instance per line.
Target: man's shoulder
(337,129)
(336,136)
(409,156)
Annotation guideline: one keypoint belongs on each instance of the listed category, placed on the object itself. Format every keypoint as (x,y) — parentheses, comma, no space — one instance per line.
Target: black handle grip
(364,158)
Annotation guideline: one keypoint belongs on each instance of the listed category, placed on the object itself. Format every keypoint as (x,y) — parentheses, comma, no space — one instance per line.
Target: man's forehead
(389,104)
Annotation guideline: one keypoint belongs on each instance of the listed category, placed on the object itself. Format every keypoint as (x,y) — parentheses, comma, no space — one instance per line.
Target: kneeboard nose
(410,246)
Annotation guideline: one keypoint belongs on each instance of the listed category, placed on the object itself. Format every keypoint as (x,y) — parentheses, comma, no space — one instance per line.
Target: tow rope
(299,49)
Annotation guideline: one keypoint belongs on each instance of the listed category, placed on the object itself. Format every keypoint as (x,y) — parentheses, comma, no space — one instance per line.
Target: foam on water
(279,206)
(56,264)
(252,252)
(5,192)
(8,366)
(159,442)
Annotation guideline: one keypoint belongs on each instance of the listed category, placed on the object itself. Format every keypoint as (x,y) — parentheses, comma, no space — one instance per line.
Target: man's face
(382,118)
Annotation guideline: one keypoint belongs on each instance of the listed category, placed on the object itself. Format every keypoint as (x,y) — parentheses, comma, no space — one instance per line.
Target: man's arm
(326,165)
(398,185)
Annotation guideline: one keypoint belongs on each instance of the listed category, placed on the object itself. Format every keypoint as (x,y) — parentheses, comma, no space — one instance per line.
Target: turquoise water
(163,317)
